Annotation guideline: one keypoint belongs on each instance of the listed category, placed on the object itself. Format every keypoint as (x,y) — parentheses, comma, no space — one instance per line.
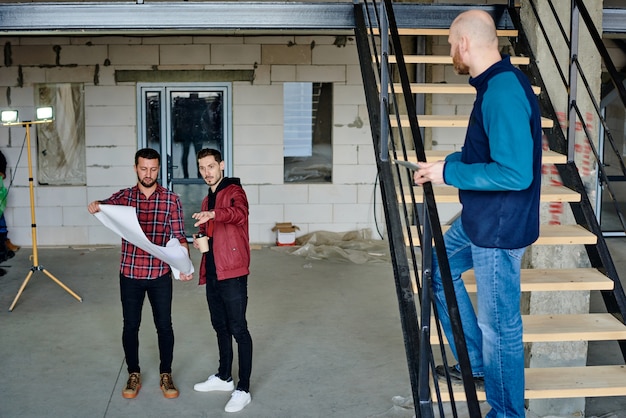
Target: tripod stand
(36,266)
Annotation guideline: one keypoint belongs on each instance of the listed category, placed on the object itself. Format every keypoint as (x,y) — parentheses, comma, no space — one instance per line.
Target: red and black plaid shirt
(161,218)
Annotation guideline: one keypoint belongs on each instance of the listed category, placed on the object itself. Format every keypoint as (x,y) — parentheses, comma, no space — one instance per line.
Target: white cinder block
(258,115)
(279,73)
(76,216)
(235,54)
(262,75)
(109,136)
(333,55)
(49,215)
(345,154)
(260,174)
(83,54)
(284,194)
(257,154)
(61,196)
(110,95)
(114,176)
(167,40)
(259,135)
(285,54)
(81,74)
(351,135)
(354,174)
(348,95)
(321,73)
(351,212)
(134,54)
(27,55)
(309,213)
(333,193)
(269,214)
(188,54)
(105,157)
(110,115)
(258,95)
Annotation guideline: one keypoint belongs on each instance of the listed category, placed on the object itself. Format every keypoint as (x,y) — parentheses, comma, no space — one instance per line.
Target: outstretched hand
(203,217)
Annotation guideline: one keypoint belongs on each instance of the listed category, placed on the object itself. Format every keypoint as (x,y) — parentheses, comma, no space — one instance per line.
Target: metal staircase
(412,218)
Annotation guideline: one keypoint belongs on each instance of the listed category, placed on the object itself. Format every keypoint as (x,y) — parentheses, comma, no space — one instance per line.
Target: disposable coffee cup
(203,243)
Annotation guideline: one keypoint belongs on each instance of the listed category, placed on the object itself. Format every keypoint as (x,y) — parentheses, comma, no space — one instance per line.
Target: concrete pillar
(562,354)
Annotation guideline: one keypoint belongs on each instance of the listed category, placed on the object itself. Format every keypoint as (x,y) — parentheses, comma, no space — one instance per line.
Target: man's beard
(146,184)
(459,67)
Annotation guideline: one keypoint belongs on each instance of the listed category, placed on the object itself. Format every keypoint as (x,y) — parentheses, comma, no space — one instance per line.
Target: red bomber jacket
(231,246)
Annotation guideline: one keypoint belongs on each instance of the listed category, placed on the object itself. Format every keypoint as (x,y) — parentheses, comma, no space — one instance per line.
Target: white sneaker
(238,400)
(214,383)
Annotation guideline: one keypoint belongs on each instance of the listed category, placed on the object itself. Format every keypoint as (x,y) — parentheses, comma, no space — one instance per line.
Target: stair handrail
(429,227)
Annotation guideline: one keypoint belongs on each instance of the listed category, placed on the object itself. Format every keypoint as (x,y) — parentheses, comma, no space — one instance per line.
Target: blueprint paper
(123,221)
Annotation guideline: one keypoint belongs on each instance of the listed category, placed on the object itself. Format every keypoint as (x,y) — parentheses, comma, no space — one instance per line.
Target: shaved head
(477,26)
(473,42)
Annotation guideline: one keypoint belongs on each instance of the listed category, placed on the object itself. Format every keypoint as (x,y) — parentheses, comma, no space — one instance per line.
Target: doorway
(178,120)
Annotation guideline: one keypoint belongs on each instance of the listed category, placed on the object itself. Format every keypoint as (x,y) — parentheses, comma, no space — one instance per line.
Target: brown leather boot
(11,246)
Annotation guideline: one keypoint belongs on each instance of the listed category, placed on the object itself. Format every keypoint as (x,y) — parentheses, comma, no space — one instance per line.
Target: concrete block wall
(111,128)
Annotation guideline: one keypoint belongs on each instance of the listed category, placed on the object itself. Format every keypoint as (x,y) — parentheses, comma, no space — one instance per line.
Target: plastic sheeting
(354,246)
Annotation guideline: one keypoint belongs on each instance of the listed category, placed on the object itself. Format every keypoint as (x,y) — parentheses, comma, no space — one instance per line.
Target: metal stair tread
(448,121)
(548,235)
(561,382)
(449,194)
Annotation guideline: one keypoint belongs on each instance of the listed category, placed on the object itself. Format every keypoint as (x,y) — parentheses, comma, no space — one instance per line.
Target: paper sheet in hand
(123,221)
(407,164)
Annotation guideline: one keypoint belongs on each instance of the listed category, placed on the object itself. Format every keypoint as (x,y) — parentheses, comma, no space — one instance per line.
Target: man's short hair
(210,151)
(148,154)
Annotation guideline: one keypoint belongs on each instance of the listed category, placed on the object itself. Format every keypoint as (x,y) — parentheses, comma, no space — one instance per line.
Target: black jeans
(159,292)
(228,300)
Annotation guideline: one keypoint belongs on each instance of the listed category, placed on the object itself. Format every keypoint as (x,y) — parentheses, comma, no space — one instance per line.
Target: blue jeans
(494,338)
(159,292)
(228,301)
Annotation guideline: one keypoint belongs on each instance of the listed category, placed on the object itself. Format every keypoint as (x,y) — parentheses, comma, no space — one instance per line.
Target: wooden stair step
(547,156)
(553,280)
(442,32)
(443,88)
(443,59)
(449,194)
(448,121)
(556,328)
(561,382)
(548,280)
(548,235)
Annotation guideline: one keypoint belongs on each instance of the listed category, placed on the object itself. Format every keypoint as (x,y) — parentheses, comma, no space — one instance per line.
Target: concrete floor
(327,341)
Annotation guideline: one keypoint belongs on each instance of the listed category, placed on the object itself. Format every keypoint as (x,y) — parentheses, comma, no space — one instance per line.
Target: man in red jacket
(224,269)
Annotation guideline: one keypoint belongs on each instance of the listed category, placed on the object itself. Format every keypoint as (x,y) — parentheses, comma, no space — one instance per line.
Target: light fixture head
(9,116)
(44,113)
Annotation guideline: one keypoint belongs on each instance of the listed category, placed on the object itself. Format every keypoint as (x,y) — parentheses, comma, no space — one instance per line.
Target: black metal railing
(563,140)
(377,36)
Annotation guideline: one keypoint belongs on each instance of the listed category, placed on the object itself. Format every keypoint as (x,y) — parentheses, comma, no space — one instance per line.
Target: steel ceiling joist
(235,17)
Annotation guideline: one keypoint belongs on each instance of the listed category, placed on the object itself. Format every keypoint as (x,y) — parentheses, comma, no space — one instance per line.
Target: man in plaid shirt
(160,216)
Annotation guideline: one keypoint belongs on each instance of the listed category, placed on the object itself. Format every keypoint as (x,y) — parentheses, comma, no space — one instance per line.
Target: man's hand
(203,217)
(429,172)
(185,277)
(94,207)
